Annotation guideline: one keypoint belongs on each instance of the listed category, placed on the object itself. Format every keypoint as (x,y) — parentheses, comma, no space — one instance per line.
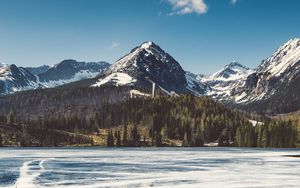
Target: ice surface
(148,167)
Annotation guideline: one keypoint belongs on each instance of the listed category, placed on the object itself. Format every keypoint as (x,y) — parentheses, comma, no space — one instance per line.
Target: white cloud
(188,6)
(114,45)
(233,1)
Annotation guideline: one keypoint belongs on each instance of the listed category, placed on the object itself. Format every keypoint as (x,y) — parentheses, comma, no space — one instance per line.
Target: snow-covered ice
(148,167)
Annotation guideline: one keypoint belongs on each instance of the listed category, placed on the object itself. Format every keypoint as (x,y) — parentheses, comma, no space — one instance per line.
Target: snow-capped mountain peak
(148,58)
(149,62)
(143,51)
(68,62)
(236,64)
(152,48)
(2,64)
(3,68)
(224,81)
(146,45)
(13,78)
(285,57)
(232,71)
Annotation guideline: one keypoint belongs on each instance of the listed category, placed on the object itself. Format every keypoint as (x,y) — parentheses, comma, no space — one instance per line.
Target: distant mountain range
(13,78)
(272,87)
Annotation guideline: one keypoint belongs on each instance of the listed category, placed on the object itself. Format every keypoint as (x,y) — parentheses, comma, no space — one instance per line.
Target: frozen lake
(148,167)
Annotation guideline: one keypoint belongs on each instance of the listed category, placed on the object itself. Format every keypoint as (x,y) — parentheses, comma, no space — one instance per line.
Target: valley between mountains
(147,99)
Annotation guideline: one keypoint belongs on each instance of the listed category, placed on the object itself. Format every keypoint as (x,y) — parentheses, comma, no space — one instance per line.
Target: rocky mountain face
(148,63)
(223,82)
(271,87)
(277,71)
(13,78)
(38,70)
(70,71)
(275,83)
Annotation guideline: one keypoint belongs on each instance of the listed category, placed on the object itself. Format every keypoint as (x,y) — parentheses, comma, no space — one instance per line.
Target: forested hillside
(44,102)
(163,121)
(294,118)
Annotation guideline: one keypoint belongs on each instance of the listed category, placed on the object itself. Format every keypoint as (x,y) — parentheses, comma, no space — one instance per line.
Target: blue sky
(202,35)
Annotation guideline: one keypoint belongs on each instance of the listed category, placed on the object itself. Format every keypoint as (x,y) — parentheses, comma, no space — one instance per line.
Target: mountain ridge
(234,84)
(13,78)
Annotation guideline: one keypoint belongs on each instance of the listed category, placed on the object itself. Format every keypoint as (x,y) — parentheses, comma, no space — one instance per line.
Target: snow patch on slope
(194,81)
(118,78)
(5,72)
(254,122)
(135,93)
(83,74)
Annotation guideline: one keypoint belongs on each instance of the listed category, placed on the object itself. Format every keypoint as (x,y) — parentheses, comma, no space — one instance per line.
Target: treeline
(278,134)
(163,121)
(24,135)
(192,120)
(127,137)
(293,118)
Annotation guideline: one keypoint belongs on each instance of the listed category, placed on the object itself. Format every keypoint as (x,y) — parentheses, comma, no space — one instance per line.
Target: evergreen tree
(118,142)
(10,119)
(198,138)
(239,142)
(135,136)
(92,141)
(158,139)
(1,141)
(265,138)
(110,139)
(125,135)
(222,141)
(259,132)
(185,142)
(223,138)
(25,138)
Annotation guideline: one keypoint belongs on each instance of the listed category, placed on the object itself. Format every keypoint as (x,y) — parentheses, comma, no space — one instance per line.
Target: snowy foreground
(149,167)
